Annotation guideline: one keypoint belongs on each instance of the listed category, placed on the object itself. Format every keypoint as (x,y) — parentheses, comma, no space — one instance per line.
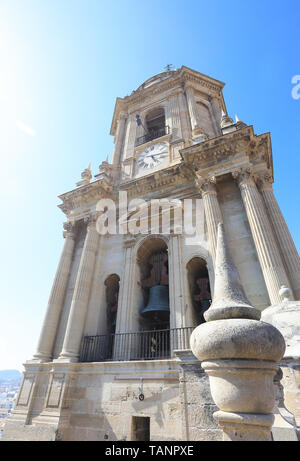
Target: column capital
(244,176)
(265,181)
(206,185)
(91,220)
(129,243)
(123,115)
(69,230)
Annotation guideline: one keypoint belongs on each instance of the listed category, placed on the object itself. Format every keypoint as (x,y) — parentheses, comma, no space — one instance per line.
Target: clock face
(152,156)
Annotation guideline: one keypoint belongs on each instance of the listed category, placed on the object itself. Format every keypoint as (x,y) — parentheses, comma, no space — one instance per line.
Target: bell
(158,305)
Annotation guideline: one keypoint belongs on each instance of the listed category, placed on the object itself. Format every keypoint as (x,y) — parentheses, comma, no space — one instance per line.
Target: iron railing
(142,345)
(153,134)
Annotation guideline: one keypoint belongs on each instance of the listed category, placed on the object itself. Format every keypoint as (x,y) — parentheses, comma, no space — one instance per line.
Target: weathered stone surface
(237,338)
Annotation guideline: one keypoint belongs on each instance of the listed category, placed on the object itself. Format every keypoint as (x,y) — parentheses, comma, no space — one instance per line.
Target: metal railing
(142,345)
(153,134)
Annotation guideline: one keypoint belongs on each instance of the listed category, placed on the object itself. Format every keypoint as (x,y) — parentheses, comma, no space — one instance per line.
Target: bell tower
(113,360)
(168,112)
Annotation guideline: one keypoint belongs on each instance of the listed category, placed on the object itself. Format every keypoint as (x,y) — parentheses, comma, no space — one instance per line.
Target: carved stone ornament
(206,184)
(86,176)
(69,230)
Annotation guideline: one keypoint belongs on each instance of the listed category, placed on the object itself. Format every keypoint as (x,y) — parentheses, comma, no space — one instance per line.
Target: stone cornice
(212,158)
(215,153)
(84,195)
(169,177)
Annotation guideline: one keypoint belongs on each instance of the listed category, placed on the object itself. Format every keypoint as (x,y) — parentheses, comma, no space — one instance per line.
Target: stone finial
(86,176)
(239,122)
(229,297)
(285,293)
(226,120)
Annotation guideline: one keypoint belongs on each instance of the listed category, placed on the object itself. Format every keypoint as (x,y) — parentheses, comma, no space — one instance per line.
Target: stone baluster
(119,139)
(56,299)
(262,233)
(284,238)
(79,305)
(212,210)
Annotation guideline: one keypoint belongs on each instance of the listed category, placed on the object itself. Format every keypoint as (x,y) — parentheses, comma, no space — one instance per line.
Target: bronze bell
(158,305)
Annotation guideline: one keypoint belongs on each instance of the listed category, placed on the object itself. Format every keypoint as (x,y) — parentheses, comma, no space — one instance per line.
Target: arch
(144,239)
(199,288)
(155,119)
(112,284)
(152,260)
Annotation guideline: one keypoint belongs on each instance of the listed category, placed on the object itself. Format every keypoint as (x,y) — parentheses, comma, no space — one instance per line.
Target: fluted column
(212,210)
(284,238)
(264,240)
(79,305)
(177,311)
(119,139)
(56,299)
(126,314)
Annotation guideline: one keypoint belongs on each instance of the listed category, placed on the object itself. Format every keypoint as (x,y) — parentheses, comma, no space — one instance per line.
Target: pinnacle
(229,299)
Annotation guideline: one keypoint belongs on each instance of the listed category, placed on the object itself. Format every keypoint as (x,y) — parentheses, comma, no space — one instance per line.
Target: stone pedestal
(286,318)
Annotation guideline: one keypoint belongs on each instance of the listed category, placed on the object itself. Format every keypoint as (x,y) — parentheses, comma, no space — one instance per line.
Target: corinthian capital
(69,230)
(206,184)
(265,181)
(91,220)
(243,176)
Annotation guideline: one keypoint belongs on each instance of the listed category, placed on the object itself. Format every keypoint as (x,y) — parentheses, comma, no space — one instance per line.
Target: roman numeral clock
(152,158)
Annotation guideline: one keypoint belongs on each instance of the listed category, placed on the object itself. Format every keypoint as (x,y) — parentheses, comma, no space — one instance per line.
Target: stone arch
(198,287)
(112,284)
(155,119)
(152,261)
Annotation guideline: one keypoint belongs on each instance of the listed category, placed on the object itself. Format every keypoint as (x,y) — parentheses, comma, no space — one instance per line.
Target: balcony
(153,134)
(143,345)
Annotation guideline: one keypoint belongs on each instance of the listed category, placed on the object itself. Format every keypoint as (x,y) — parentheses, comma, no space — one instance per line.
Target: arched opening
(199,286)
(154,282)
(112,284)
(155,120)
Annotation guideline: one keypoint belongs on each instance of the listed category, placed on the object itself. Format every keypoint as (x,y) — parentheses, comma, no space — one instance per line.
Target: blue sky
(63,63)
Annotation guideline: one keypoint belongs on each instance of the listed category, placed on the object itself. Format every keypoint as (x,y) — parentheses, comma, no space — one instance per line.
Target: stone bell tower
(113,360)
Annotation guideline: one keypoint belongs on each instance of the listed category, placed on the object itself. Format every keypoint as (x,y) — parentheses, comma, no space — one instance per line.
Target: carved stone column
(122,345)
(119,139)
(265,243)
(56,299)
(216,109)
(177,312)
(79,305)
(212,210)
(284,238)
(184,116)
(192,106)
